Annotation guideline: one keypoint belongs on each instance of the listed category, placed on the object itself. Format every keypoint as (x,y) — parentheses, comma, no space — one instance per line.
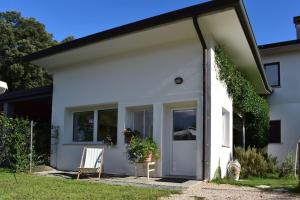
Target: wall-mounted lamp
(178,80)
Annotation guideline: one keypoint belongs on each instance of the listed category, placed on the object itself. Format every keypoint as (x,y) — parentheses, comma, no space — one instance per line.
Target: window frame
(172,122)
(144,110)
(73,126)
(280,138)
(226,128)
(97,124)
(278,73)
(95,127)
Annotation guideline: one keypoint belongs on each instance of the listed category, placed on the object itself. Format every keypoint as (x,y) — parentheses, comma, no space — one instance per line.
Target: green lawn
(274,182)
(26,186)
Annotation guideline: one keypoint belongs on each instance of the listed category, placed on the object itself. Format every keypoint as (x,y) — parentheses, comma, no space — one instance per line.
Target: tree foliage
(21,36)
(246,101)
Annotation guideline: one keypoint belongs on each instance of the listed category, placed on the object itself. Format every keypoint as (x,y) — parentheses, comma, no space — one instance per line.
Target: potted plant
(129,133)
(141,150)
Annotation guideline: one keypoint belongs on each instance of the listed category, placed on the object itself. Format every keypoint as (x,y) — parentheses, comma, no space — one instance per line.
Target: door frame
(171,136)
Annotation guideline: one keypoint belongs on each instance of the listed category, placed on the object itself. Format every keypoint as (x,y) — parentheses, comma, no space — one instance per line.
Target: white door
(183,142)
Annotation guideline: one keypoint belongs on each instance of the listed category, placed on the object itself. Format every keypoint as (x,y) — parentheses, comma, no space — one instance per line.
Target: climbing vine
(246,101)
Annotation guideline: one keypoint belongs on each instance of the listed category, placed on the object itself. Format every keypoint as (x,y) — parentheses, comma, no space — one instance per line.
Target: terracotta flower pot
(149,158)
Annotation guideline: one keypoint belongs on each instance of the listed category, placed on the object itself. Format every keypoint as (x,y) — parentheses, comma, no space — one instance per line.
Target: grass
(26,186)
(274,182)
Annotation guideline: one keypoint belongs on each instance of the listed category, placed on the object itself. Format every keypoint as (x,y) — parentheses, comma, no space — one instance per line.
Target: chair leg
(78,175)
(148,171)
(135,170)
(100,172)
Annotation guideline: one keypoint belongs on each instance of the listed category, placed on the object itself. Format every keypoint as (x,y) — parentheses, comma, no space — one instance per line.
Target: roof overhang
(24,95)
(280,47)
(226,21)
(231,30)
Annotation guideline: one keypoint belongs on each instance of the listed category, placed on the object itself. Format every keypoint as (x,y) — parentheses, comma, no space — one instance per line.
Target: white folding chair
(91,161)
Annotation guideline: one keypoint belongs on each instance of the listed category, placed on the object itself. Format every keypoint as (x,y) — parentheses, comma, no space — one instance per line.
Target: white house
(282,63)
(159,76)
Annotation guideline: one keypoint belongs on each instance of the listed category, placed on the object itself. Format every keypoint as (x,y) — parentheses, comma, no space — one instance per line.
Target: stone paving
(191,189)
(162,183)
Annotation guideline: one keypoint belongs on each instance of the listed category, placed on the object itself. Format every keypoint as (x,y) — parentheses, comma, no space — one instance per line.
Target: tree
(21,36)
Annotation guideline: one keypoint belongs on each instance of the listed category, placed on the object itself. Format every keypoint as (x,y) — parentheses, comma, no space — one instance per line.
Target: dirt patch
(211,191)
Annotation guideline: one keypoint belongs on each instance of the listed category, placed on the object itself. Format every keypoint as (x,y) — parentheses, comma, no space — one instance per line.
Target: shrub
(14,143)
(218,173)
(272,162)
(42,142)
(252,162)
(287,167)
(253,107)
(139,149)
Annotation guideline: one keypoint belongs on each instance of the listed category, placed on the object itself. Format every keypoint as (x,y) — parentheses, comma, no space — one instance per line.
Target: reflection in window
(184,124)
(143,122)
(83,126)
(107,125)
(272,72)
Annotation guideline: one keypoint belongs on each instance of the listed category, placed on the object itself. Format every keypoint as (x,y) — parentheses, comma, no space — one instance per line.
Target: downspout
(205,117)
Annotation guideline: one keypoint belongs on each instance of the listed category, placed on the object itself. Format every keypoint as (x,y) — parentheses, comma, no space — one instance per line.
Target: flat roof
(35,93)
(279,44)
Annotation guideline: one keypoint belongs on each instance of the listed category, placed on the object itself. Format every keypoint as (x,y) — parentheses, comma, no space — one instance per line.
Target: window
(275,131)
(225,128)
(143,122)
(184,124)
(273,73)
(107,125)
(95,126)
(83,126)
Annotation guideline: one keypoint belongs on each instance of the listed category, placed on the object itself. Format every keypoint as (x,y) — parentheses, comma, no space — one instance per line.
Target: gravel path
(210,191)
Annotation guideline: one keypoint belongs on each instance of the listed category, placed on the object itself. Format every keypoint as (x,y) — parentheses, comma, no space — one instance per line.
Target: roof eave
(135,26)
(197,10)
(243,17)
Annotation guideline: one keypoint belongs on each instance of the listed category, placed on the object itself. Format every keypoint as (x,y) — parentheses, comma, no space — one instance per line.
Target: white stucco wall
(285,103)
(220,155)
(143,77)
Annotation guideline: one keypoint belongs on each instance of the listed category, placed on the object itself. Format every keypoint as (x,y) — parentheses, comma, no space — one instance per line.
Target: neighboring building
(34,104)
(158,76)
(282,66)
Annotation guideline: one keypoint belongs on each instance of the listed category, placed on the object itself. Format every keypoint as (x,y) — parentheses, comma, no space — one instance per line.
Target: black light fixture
(178,80)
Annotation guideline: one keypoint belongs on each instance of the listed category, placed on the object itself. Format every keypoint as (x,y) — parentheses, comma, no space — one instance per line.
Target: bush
(14,143)
(252,162)
(253,107)
(42,142)
(139,149)
(287,168)
(272,162)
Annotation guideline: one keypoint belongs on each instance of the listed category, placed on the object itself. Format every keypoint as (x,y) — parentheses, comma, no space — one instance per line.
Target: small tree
(21,36)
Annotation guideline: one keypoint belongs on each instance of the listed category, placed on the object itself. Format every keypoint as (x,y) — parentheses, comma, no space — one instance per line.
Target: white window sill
(85,143)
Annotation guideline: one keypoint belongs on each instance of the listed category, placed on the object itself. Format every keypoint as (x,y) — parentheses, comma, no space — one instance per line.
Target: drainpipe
(206,118)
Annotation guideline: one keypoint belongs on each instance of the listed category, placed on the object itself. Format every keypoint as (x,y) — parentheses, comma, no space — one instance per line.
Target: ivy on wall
(246,101)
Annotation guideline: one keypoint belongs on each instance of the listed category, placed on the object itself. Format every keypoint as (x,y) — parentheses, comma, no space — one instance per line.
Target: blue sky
(271,20)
